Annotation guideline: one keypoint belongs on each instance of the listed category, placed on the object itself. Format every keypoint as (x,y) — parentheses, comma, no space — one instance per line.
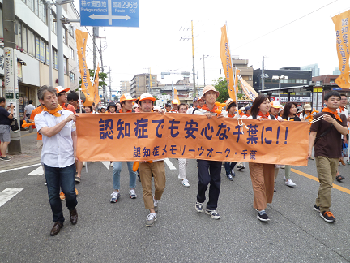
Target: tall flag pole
(227,64)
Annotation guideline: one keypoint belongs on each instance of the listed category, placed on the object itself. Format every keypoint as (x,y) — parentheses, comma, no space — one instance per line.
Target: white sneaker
(151,218)
(185,183)
(290,183)
(132,194)
(155,203)
(84,164)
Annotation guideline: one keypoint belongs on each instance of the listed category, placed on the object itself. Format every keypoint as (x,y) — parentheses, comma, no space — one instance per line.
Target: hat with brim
(147,96)
(126,97)
(275,104)
(111,104)
(229,102)
(210,88)
(60,89)
(307,107)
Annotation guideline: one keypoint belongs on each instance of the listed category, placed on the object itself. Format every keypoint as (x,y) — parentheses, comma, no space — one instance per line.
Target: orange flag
(86,86)
(341,23)
(227,64)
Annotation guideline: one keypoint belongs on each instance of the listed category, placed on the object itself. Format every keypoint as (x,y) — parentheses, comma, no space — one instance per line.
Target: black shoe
(328,216)
(317,208)
(229,176)
(77,179)
(339,178)
(56,228)
(262,216)
(73,216)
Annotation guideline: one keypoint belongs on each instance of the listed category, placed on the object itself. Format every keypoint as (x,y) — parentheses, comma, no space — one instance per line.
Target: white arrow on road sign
(110,17)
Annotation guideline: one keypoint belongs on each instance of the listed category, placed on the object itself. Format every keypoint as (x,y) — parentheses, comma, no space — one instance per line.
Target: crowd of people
(56,137)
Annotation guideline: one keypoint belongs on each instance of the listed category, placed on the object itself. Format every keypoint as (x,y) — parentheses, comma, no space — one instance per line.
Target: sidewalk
(30,154)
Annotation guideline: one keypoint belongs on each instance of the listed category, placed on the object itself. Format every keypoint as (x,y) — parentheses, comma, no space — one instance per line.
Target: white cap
(147,96)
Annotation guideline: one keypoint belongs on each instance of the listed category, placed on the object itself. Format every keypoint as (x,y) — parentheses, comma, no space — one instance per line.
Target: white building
(32,49)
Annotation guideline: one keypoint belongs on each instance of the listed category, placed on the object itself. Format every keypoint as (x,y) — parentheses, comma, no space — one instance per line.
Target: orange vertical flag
(86,86)
(227,64)
(341,23)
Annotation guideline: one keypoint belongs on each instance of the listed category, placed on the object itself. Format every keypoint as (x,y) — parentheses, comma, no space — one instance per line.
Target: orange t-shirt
(36,111)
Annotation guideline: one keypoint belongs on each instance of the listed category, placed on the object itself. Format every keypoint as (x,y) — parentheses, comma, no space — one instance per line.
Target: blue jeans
(229,167)
(117,168)
(57,178)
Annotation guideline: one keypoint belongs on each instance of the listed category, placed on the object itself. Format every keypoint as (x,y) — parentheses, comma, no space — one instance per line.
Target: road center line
(335,186)
(7,194)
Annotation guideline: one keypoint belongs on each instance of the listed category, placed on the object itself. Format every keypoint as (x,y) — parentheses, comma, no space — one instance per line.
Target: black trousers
(209,172)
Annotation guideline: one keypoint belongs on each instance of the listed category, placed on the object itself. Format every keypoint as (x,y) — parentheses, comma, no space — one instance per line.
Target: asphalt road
(116,232)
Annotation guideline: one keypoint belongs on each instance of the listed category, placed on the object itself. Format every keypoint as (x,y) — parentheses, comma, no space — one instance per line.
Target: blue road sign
(113,13)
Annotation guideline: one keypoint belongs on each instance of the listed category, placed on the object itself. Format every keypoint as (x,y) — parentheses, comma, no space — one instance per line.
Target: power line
(287,24)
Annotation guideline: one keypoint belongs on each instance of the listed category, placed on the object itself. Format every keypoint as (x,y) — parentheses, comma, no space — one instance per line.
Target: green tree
(221,86)
(102,78)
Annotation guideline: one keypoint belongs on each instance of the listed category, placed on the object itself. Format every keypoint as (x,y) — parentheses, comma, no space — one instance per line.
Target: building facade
(246,72)
(142,83)
(284,77)
(32,48)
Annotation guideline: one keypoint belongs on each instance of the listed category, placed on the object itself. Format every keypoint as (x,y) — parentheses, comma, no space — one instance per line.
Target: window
(47,55)
(30,4)
(31,43)
(72,77)
(24,39)
(71,31)
(36,7)
(54,24)
(72,52)
(64,37)
(55,66)
(332,81)
(305,81)
(37,48)
(18,36)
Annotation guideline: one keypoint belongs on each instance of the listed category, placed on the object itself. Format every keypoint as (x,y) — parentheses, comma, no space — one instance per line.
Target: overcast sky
(156,43)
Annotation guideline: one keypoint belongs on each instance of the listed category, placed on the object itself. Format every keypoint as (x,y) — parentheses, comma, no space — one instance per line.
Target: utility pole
(103,70)
(60,44)
(95,33)
(204,57)
(194,77)
(48,15)
(10,69)
(110,84)
(263,75)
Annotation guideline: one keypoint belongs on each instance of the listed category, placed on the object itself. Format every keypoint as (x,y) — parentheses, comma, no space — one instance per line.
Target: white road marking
(37,171)
(170,164)
(7,194)
(19,168)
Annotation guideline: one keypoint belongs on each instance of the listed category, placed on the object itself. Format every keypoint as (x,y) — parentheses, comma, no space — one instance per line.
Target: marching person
(325,137)
(261,174)
(62,99)
(147,169)
(343,110)
(195,105)
(210,94)
(289,114)
(182,161)
(112,108)
(127,102)
(201,102)
(231,108)
(58,155)
(5,128)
